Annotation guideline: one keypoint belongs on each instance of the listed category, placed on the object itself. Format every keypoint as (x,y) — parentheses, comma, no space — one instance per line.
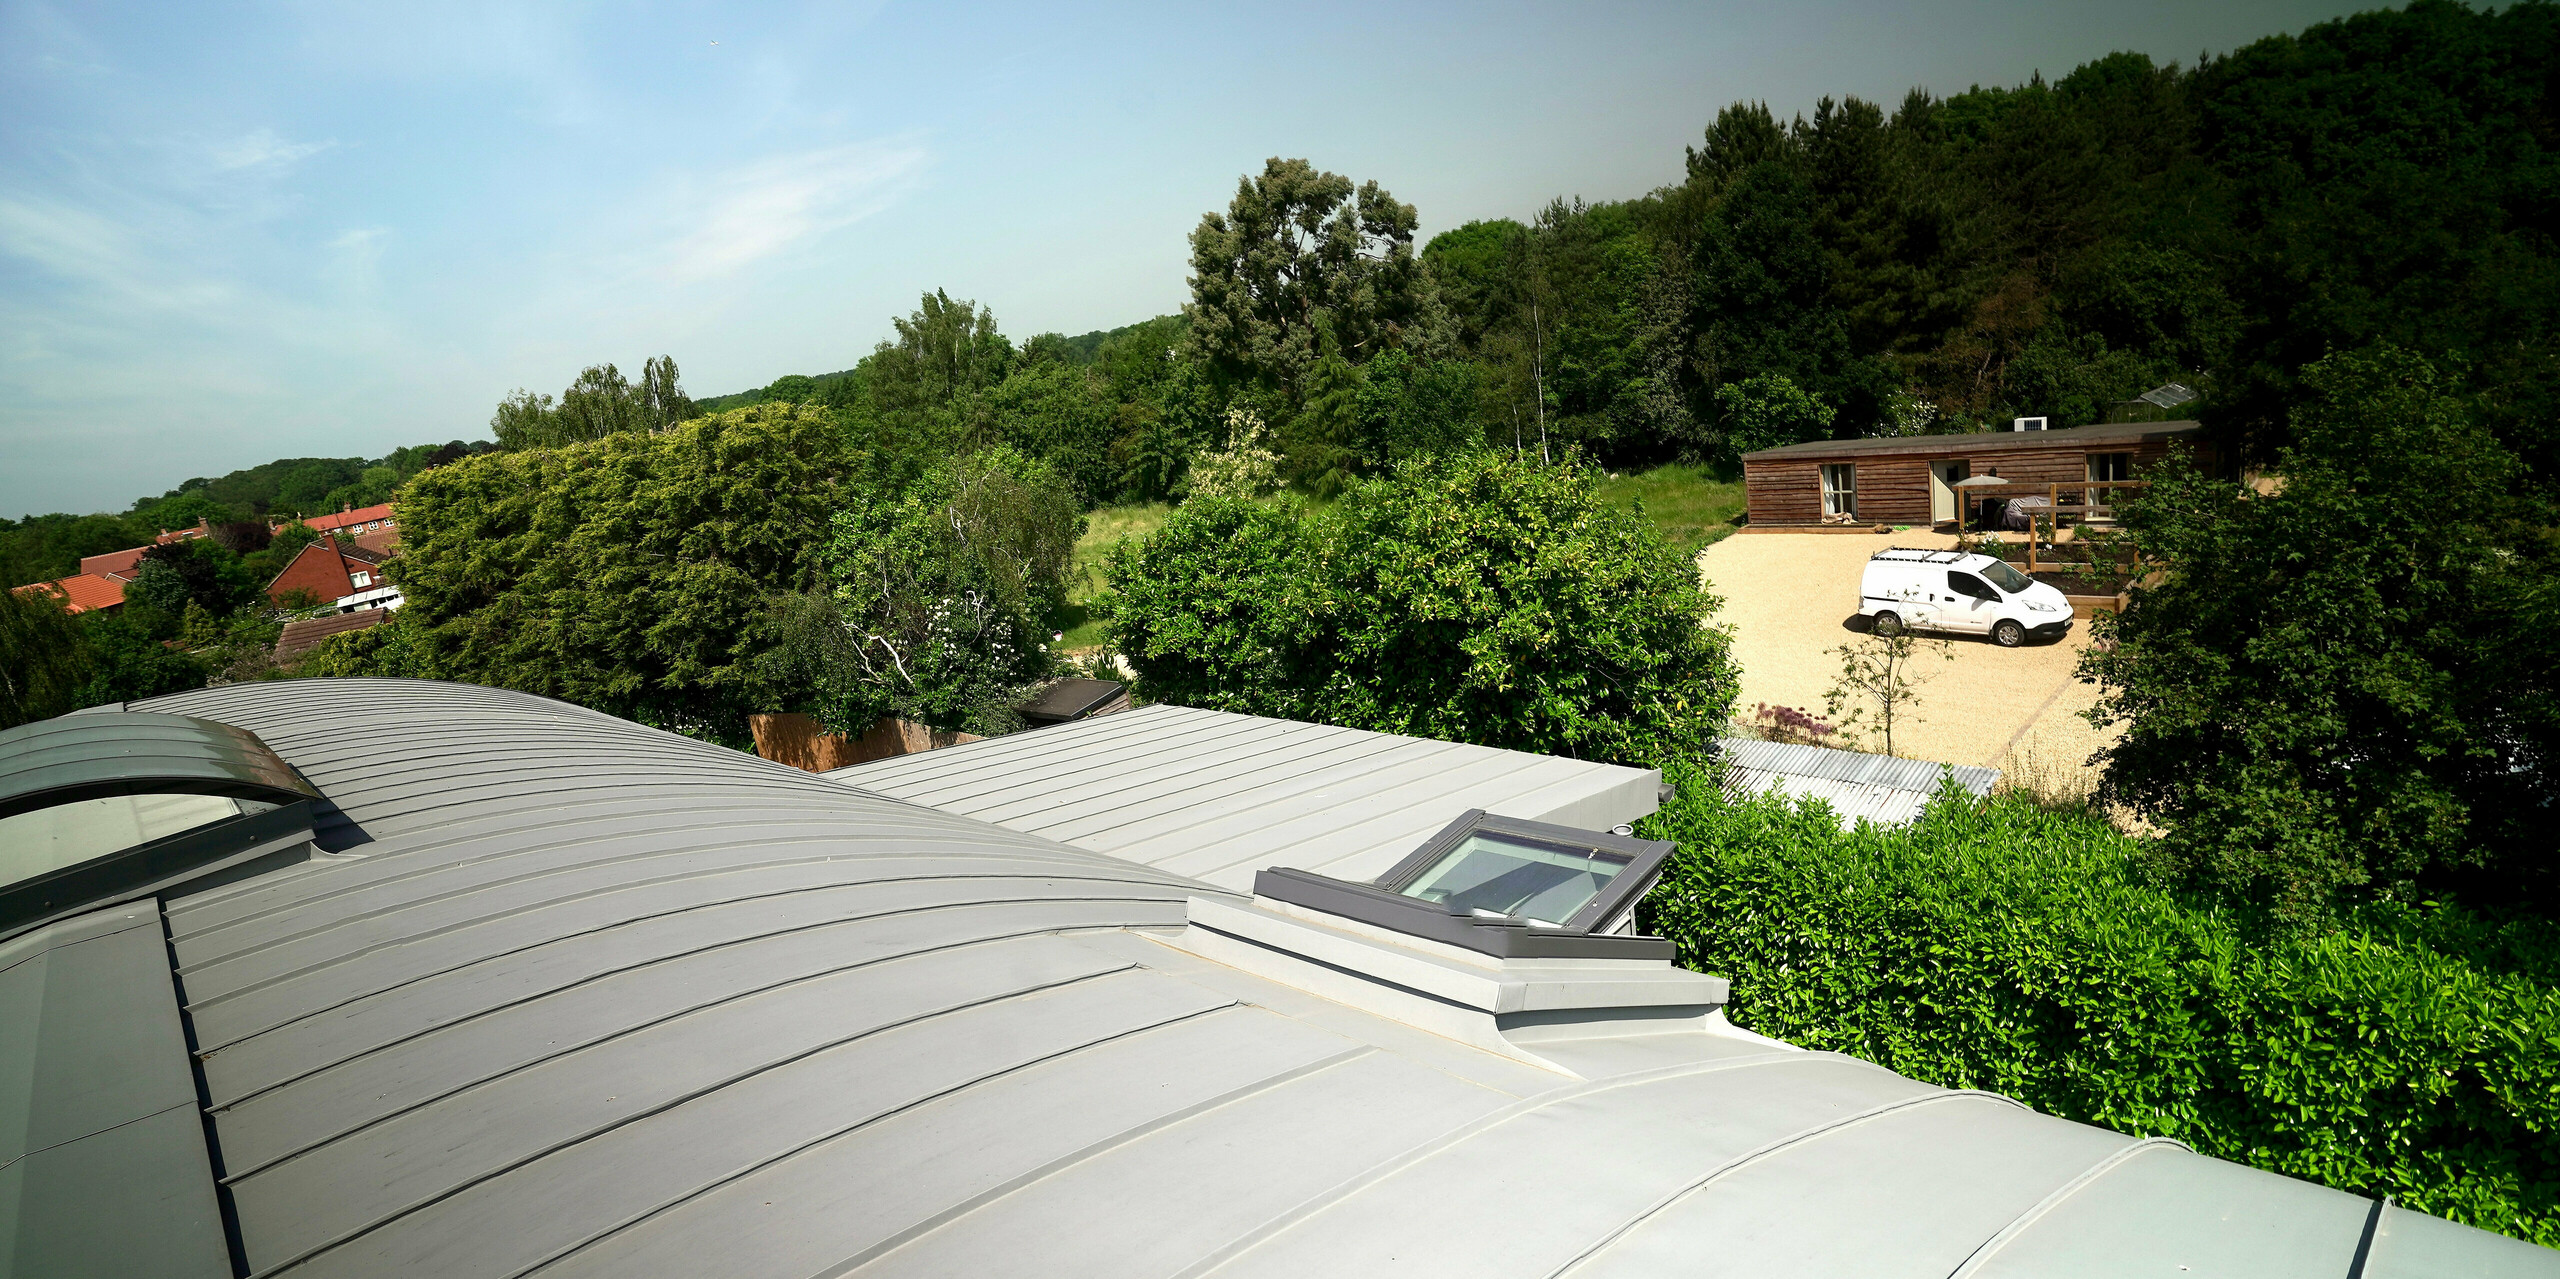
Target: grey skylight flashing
(1391,903)
(1503,937)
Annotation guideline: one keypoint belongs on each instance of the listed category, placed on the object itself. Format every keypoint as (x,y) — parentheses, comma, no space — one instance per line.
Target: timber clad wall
(1784,486)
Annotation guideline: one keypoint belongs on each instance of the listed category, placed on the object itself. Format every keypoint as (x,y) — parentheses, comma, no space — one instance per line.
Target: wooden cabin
(1911,479)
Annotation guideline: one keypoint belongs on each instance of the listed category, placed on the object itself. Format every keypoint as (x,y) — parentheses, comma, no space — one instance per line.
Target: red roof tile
(349,519)
(82,593)
(120,563)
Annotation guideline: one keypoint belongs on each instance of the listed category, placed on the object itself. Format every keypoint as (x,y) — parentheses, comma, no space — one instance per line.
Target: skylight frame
(1616,899)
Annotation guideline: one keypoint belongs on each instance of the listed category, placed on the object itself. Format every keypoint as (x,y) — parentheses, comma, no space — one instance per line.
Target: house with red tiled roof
(123,564)
(368,519)
(82,592)
(336,572)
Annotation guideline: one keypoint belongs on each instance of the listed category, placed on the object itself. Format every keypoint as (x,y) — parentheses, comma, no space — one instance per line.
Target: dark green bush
(2413,1051)
(1478,598)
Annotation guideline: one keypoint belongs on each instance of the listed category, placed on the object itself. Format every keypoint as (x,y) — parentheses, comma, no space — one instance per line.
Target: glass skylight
(49,839)
(1509,875)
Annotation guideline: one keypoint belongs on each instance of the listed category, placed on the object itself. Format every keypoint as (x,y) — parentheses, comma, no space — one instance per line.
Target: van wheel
(2008,634)
(1887,624)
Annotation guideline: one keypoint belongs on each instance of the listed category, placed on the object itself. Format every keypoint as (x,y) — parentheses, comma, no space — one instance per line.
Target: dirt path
(1789,597)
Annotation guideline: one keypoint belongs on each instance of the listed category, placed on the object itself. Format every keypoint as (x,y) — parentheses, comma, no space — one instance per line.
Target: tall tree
(1301,252)
(600,403)
(628,573)
(44,659)
(2344,688)
(943,596)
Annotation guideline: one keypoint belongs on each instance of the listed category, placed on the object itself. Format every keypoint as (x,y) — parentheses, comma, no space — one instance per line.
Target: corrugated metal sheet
(1217,796)
(1858,786)
(594,1000)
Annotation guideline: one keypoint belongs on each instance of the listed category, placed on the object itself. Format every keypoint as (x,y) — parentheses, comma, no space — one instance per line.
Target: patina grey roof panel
(1217,796)
(103,1168)
(582,998)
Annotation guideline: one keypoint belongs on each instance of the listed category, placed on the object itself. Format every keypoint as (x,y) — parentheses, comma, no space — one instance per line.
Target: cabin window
(1840,489)
(2107,466)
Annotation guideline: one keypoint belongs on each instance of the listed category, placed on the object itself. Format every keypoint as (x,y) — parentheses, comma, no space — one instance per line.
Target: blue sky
(229,234)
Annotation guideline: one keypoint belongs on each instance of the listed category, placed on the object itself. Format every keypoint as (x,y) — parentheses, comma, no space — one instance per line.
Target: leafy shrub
(943,598)
(2413,1051)
(1482,598)
(629,573)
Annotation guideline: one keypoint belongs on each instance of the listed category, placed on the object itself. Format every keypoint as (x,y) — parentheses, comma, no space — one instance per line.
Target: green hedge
(2414,1052)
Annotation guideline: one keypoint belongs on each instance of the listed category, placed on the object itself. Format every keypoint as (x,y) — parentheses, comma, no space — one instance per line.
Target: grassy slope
(1692,506)
(1103,529)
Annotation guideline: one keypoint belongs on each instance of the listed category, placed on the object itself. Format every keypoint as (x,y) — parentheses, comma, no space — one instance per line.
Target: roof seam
(1736,1164)
(1090,1152)
(572,1049)
(554,903)
(487,1175)
(1308,1208)
(14,1160)
(536,875)
(565,937)
(583,833)
(218,1108)
(891,1113)
(2018,1225)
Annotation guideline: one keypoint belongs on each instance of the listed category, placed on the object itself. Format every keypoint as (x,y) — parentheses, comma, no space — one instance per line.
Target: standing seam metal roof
(633,1005)
(1219,796)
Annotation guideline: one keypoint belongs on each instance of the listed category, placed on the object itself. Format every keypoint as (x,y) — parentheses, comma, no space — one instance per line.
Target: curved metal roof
(599,1000)
(93,756)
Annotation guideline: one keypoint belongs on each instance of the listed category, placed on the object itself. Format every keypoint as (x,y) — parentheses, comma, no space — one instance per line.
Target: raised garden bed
(2108,584)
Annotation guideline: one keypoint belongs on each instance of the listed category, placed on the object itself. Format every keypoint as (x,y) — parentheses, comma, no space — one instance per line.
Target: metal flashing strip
(2020,1224)
(1750,1157)
(1502,937)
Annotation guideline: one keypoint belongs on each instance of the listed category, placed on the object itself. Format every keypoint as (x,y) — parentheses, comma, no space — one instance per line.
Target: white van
(1960,593)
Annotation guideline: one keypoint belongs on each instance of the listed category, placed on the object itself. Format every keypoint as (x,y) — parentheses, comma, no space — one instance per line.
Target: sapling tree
(1880,679)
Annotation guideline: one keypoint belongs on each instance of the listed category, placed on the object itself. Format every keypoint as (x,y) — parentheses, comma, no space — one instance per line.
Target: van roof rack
(1917,555)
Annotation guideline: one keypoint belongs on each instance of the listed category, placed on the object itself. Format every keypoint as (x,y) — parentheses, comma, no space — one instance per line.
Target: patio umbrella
(1976,483)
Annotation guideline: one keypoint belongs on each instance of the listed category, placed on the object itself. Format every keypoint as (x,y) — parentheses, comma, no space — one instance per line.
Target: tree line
(2339,237)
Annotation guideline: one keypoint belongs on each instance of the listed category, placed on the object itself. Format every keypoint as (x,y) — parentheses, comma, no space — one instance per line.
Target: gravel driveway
(1790,597)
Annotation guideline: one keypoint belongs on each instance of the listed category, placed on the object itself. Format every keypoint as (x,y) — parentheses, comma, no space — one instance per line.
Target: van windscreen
(2006,578)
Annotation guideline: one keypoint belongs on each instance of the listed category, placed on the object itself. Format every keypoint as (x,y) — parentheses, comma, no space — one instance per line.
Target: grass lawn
(1692,505)
(1103,529)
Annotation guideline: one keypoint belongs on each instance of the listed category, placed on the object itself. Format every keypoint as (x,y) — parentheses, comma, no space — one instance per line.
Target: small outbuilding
(1912,479)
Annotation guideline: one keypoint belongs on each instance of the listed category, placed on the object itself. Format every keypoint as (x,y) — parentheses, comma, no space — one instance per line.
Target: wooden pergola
(2085,507)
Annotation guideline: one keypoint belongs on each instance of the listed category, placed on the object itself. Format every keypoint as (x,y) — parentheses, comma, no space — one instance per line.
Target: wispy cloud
(262,148)
(757,210)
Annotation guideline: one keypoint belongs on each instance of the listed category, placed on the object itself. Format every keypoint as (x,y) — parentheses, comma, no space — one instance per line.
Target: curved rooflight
(101,807)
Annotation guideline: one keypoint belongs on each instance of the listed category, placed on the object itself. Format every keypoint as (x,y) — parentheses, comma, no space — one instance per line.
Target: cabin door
(1942,489)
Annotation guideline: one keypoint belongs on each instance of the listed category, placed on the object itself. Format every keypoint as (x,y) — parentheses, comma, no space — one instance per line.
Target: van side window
(1968,584)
